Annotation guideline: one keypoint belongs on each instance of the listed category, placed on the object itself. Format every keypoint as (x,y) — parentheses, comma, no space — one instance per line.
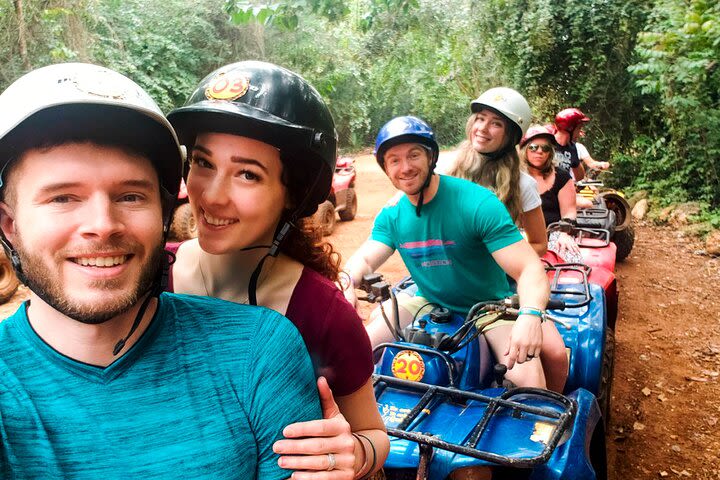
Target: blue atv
(447,405)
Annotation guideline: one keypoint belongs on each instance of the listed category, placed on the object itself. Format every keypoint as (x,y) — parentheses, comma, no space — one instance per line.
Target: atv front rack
(560,418)
(582,292)
(582,234)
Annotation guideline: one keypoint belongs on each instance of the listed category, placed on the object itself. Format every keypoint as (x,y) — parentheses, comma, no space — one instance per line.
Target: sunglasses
(534,147)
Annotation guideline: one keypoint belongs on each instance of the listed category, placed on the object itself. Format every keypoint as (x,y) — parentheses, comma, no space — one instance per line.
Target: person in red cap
(569,154)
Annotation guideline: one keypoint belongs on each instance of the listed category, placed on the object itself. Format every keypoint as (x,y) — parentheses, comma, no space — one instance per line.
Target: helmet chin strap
(274,249)
(155,291)
(499,153)
(161,282)
(421,193)
(425,185)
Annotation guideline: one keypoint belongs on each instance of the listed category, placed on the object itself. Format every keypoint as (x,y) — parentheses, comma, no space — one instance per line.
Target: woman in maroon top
(262,148)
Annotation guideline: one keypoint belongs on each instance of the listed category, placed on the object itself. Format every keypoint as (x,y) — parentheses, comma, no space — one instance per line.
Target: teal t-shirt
(447,250)
(203,394)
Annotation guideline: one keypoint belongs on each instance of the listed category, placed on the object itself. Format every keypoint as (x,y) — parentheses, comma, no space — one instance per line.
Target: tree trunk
(22,42)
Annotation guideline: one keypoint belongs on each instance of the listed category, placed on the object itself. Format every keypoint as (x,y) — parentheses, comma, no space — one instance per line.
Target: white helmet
(78,101)
(507,102)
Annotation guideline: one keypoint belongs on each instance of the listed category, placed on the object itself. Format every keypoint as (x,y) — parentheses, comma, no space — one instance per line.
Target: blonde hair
(547,167)
(501,174)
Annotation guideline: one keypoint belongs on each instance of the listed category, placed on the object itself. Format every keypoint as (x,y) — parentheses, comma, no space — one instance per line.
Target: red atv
(184,226)
(342,198)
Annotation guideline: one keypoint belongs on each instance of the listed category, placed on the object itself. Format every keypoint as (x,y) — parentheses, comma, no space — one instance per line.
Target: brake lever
(557,320)
(545,316)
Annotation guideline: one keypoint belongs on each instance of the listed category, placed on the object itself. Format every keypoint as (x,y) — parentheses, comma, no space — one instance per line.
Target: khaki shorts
(419,306)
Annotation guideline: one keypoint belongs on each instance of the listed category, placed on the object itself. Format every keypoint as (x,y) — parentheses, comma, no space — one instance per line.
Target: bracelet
(374,460)
(532,311)
(345,285)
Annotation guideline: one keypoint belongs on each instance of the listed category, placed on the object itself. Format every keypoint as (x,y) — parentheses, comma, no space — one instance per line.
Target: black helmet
(273,105)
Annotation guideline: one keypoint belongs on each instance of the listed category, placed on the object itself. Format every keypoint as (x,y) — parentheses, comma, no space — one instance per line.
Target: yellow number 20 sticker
(408,365)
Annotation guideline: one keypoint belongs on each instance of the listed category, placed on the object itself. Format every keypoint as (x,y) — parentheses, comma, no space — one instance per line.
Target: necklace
(244,300)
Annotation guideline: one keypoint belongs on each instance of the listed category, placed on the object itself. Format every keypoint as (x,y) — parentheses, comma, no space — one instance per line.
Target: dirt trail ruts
(666,391)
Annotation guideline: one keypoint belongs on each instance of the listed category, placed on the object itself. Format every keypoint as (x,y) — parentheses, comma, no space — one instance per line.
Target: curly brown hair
(305,244)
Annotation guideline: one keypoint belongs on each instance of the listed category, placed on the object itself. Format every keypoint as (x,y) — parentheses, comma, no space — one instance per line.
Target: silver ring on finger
(331,462)
(529,356)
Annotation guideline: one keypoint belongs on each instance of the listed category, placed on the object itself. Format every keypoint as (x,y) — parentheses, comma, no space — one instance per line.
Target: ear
(7,221)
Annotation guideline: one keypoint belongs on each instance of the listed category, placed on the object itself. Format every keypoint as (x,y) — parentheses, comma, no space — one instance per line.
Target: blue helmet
(407,129)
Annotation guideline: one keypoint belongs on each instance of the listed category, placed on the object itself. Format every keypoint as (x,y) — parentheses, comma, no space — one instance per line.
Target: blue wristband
(532,311)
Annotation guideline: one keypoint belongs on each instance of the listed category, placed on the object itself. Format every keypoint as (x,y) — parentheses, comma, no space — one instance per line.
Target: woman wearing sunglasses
(488,157)
(262,148)
(556,188)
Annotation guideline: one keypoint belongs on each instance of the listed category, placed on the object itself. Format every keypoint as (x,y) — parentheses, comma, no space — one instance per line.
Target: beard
(44,281)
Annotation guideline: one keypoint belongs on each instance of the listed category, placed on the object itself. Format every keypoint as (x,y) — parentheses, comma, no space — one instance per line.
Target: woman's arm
(361,412)
(567,201)
(351,430)
(533,223)
(566,245)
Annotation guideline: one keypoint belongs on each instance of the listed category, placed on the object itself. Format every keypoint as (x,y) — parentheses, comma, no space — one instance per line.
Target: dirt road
(666,391)
(665,419)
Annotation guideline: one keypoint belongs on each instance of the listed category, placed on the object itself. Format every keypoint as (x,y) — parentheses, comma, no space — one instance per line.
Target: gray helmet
(507,102)
(78,101)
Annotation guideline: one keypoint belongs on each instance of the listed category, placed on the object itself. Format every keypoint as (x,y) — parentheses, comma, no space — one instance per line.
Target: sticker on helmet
(500,98)
(227,86)
(102,84)
(408,365)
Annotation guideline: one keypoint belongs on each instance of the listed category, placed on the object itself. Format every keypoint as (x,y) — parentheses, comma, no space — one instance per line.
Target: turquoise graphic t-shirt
(203,394)
(447,250)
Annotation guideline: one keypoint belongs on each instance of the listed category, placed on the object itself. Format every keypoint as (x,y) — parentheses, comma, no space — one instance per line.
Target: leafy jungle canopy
(645,72)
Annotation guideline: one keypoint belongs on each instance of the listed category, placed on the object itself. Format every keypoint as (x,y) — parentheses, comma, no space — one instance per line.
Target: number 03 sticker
(408,365)
(227,86)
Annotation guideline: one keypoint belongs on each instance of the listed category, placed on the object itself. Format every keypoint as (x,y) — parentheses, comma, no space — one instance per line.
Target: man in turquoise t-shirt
(458,242)
(101,375)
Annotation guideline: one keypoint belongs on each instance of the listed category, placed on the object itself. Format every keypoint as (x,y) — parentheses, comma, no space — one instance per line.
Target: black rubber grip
(555,305)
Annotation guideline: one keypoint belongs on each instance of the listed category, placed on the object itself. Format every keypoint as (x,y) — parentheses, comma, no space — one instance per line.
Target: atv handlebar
(476,322)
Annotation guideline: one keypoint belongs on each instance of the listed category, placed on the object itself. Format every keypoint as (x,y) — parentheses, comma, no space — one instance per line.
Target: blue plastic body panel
(454,421)
(585,340)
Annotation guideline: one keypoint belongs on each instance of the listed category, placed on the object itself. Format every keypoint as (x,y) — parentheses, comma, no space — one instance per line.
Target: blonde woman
(500,117)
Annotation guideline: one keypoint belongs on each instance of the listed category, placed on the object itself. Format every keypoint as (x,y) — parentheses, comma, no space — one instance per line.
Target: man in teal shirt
(101,374)
(458,242)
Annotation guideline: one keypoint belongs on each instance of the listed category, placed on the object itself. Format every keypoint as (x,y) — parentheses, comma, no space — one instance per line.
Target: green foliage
(571,53)
(645,72)
(55,32)
(167,48)
(284,15)
(677,70)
